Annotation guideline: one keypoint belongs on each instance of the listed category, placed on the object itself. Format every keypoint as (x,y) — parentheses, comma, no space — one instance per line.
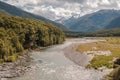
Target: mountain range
(115,23)
(99,20)
(12,10)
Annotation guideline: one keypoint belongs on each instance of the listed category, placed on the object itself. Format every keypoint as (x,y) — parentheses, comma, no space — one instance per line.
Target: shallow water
(51,64)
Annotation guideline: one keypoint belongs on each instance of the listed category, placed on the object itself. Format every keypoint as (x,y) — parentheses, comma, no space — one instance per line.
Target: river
(51,64)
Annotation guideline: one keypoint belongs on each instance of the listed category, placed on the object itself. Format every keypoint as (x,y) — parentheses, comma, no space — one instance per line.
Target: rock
(3,78)
(40,61)
(105,53)
(10,70)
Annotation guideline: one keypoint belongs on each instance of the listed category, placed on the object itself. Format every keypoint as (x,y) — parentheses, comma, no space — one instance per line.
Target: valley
(59,40)
(52,64)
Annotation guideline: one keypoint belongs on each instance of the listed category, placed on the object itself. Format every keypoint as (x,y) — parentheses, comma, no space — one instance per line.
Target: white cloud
(105,2)
(56,9)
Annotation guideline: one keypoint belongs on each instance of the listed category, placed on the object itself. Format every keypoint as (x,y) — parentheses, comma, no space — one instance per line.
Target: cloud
(56,9)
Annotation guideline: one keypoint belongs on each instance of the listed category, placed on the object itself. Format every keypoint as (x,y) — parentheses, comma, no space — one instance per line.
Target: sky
(63,9)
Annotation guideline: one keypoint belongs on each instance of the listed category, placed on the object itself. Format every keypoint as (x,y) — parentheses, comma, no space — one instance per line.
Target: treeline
(73,34)
(17,34)
(115,32)
(104,33)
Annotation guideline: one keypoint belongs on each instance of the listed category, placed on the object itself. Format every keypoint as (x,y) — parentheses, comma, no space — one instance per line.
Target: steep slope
(18,12)
(115,23)
(69,21)
(17,34)
(92,22)
(3,12)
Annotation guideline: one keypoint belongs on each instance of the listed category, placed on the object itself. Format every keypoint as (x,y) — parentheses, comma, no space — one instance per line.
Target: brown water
(55,66)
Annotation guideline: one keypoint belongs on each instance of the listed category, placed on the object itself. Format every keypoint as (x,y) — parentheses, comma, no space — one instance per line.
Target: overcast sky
(55,9)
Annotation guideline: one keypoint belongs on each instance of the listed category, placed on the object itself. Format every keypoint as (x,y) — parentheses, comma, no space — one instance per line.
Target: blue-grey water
(51,64)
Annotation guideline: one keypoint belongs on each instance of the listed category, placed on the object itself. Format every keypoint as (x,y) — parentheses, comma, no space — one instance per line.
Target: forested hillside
(104,33)
(18,34)
(12,10)
(114,32)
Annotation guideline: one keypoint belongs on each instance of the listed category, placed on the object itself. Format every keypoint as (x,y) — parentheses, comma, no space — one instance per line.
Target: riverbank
(81,58)
(78,58)
(52,64)
(105,56)
(16,69)
(19,67)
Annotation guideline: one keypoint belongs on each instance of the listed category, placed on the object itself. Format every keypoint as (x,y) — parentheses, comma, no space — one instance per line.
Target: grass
(111,44)
(115,40)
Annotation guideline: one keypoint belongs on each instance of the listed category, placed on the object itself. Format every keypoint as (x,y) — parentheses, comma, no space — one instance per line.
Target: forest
(18,34)
(114,32)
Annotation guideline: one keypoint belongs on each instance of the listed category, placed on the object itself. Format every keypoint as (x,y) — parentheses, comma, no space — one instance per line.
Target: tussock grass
(115,40)
(111,44)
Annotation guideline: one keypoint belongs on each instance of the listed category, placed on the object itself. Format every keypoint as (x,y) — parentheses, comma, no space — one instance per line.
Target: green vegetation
(72,34)
(114,75)
(102,60)
(114,32)
(17,34)
(12,10)
(115,40)
(111,61)
(103,33)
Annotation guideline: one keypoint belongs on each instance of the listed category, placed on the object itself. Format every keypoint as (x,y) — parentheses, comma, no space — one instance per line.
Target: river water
(51,64)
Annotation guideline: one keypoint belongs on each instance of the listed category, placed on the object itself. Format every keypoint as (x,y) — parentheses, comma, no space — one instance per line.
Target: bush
(17,34)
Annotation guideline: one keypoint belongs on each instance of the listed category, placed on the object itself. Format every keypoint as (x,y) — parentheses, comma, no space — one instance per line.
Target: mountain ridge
(92,22)
(115,23)
(12,10)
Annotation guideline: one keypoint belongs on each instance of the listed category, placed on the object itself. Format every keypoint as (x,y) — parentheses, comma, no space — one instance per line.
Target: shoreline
(82,59)
(54,61)
(17,68)
(78,58)
(20,67)
(13,70)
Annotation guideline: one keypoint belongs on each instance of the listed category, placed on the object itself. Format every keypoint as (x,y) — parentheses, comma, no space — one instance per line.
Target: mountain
(69,22)
(3,12)
(12,10)
(92,22)
(18,34)
(115,23)
(104,33)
